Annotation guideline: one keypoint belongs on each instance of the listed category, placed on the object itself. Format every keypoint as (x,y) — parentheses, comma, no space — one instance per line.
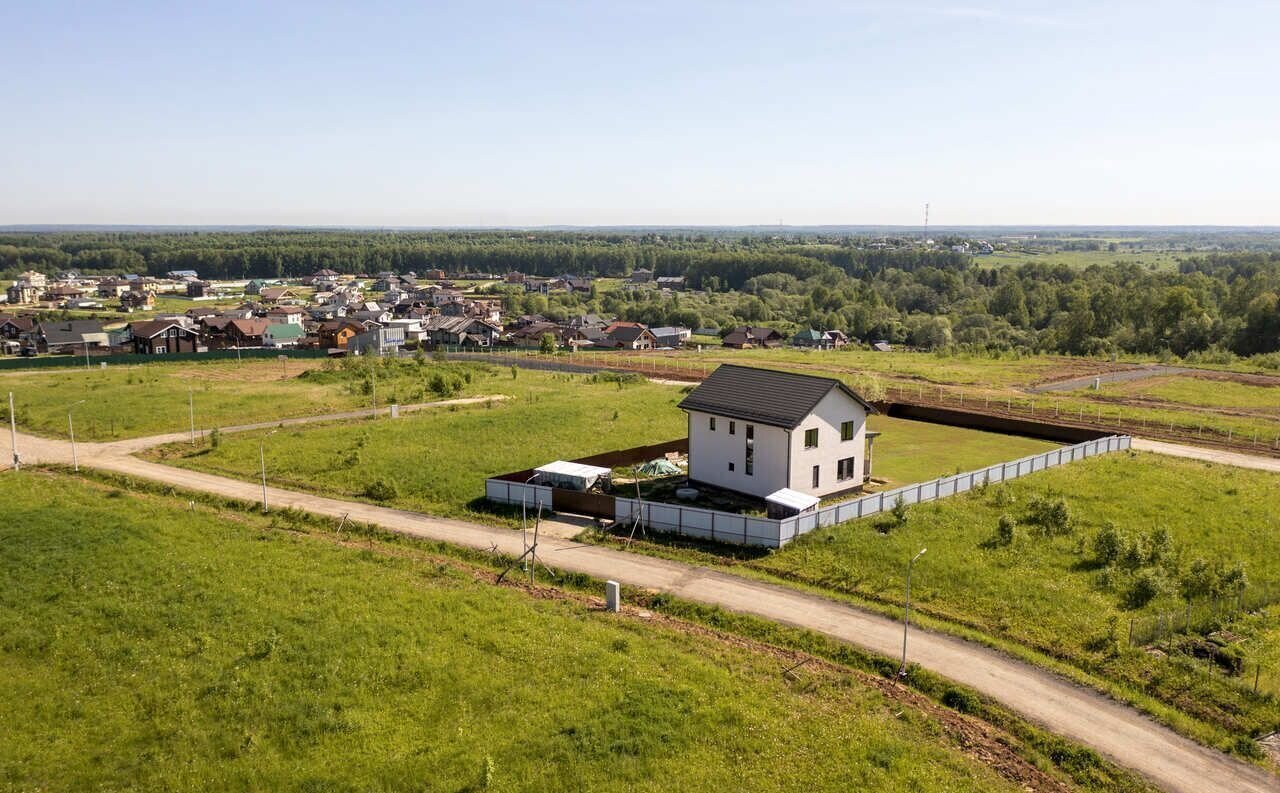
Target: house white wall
(781,459)
(710,453)
(835,408)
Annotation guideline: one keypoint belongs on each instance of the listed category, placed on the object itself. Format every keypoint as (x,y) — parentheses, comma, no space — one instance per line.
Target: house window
(713,423)
(161,349)
(816,476)
(811,438)
(751,450)
(730,466)
(732,427)
(846,430)
(844,468)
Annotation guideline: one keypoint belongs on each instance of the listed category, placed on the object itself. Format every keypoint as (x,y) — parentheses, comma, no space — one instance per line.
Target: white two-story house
(758,431)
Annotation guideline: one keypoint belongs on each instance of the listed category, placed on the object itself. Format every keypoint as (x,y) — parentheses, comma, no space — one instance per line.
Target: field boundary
(736,529)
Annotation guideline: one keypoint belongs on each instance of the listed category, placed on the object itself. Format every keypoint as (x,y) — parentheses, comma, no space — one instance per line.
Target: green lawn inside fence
(148,646)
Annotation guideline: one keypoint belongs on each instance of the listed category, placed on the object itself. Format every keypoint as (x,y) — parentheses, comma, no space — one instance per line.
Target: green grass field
(135,401)
(146,646)
(438,461)
(1198,391)
(1049,594)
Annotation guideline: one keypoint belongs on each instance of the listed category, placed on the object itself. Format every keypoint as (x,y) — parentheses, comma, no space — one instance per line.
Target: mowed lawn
(1049,593)
(916,451)
(148,646)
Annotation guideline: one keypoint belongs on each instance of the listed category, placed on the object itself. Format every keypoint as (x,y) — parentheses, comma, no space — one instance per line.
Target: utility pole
(926,223)
(86,354)
(191,409)
(906,614)
(13,431)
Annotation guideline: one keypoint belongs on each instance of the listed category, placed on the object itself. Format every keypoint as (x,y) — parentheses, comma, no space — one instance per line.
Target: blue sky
(488,113)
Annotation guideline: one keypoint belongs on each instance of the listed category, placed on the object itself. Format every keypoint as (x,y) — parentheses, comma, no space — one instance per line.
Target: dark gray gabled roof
(767,396)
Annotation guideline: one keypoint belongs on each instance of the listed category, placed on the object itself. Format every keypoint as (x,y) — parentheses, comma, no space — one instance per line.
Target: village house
(283,334)
(288,314)
(70,336)
(163,337)
(62,294)
(744,338)
(673,282)
(641,276)
(246,332)
(819,339)
(16,327)
(137,300)
(274,294)
(670,336)
(27,287)
(111,288)
(631,336)
(461,331)
(759,431)
(335,334)
(376,341)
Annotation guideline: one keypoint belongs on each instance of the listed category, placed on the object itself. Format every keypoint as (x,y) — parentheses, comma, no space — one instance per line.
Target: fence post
(1131,631)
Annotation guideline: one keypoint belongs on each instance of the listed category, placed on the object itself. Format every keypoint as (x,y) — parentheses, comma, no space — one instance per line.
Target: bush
(215,438)
(1051,516)
(899,511)
(1146,587)
(1107,544)
(382,489)
(1006,530)
(961,700)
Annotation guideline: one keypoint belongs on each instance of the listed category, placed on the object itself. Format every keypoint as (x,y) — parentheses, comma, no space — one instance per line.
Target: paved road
(1117,731)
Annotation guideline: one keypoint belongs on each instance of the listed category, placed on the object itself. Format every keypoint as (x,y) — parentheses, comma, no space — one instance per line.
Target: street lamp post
(906,614)
(262,460)
(71,430)
(524,514)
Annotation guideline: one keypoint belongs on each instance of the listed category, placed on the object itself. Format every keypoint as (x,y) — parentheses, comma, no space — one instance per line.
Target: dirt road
(1123,376)
(1119,732)
(1237,459)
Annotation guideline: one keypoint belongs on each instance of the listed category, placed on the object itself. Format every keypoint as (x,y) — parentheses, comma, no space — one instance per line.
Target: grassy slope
(146,647)
(1044,592)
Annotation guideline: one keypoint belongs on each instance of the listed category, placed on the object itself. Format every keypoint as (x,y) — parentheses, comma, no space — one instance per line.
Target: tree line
(1221,303)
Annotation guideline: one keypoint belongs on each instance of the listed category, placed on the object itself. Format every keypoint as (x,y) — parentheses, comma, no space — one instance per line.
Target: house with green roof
(283,334)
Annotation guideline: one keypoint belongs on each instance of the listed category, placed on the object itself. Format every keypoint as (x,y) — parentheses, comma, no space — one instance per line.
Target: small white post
(612,596)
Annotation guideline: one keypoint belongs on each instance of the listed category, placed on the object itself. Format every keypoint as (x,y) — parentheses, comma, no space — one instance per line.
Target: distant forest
(1220,303)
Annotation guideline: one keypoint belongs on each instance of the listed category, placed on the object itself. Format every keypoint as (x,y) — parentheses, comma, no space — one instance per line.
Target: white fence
(730,527)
